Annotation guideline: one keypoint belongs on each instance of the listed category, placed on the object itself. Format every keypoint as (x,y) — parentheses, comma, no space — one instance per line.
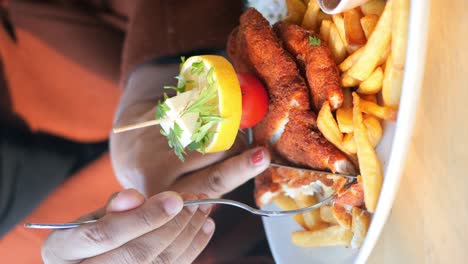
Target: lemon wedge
(206,70)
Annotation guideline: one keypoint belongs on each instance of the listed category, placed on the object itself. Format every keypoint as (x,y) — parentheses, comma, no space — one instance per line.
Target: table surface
(428,223)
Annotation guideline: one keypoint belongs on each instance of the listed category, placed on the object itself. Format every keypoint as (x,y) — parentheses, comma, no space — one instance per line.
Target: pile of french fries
(369,46)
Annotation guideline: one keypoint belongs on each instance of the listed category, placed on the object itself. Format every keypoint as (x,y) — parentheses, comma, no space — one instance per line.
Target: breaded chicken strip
(303,144)
(289,125)
(317,61)
(272,63)
(237,56)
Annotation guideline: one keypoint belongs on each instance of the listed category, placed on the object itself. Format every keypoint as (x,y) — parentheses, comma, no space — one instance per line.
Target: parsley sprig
(314,41)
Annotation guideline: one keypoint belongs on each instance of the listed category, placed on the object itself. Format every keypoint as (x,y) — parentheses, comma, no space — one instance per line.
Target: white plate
(392,152)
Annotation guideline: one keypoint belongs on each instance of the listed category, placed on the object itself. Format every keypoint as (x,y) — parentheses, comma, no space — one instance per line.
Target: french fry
(344,117)
(383,112)
(312,218)
(349,144)
(338,20)
(369,164)
(286,203)
(350,60)
(353,29)
(353,58)
(373,84)
(360,225)
(296,10)
(384,57)
(328,127)
(347,98)
(369,97)
(374,132)
(325,30)
(374,129)
(368,24)
(373,7)
(400,32)
(326,215)
(330,236)
(311,18)
(376,45)
(348,81)
(336,45)
(395,65)
(342,216)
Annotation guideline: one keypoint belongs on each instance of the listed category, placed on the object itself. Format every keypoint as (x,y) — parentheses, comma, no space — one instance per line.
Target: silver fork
(244,206)
(255,211)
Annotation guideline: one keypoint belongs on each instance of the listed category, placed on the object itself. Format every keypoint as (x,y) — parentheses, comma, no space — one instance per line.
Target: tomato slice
(254,100)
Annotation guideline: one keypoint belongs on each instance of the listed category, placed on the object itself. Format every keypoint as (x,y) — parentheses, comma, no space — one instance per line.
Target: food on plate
(312,20)
(376,45)
(396,63)
(327,216)
(312,219)
(383,112)
(369,164)
(334,235)
(316,60)
(327,125)
(353,30)
(373,84)
(360,224)
(325,77)
(373,7)
(296,11)
(344,117)
(287,203)
(368,24)
(289,127)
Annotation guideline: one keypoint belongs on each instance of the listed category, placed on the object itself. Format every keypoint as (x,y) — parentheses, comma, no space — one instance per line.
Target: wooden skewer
(140,125)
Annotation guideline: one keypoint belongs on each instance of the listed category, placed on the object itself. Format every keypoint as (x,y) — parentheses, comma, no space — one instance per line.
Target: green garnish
(206,103)
(197,67)
(173,139)
(161,110)
(314,41)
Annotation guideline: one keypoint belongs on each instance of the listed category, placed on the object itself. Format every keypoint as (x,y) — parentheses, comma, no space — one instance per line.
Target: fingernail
(208,227)
(257,157)
(172,205)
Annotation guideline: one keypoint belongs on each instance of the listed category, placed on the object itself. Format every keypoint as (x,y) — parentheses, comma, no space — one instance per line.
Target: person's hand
(143,160)
(134,230)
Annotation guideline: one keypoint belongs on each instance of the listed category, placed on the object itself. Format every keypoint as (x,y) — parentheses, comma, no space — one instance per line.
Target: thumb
(221,178)
(125,200)
(118,202)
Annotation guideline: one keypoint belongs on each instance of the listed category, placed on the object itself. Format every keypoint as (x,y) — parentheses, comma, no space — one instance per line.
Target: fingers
(163,245)
(223,177)
(114,229)
(198,243)
(185,239)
